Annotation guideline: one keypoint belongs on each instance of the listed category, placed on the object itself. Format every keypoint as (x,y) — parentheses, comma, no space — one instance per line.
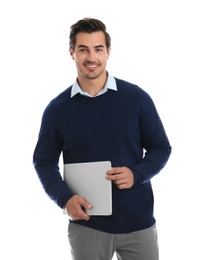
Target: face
(90,54)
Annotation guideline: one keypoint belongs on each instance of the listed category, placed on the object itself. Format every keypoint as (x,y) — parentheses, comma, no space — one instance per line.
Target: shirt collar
(110,84)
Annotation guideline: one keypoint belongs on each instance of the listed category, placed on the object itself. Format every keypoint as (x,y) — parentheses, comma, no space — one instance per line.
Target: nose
(91,56)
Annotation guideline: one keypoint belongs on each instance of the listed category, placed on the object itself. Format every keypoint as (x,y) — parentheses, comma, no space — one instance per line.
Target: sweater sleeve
(46,160)
(154,142)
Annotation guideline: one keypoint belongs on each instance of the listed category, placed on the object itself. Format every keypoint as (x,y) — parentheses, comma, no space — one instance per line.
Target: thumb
(84,203)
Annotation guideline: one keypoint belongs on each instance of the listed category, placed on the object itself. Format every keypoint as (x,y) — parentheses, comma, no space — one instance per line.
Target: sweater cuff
(137,177)
(65,200)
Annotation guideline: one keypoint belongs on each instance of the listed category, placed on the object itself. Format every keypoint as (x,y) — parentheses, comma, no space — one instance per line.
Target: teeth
(91,66)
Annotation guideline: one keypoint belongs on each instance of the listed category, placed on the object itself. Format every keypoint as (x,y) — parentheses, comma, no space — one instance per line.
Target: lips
(91,66)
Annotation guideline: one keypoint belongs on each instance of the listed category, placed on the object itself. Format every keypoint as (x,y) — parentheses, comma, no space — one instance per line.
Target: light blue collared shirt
(110,84)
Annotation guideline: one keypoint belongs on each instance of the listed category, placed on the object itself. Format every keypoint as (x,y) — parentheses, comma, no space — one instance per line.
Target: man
(103,118)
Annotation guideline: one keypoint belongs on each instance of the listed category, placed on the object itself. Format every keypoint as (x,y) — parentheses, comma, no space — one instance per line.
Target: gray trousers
(90,244)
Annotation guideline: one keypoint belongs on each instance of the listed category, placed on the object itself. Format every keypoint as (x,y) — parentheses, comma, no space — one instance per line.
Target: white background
(160,45)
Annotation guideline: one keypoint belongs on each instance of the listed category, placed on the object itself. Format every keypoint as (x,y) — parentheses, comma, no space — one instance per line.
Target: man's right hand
(76,206)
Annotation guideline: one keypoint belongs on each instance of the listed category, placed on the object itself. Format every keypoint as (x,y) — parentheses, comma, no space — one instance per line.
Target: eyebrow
(97,46)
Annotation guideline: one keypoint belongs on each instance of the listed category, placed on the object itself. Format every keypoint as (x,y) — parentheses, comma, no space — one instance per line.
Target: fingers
(121,176)
(76,207)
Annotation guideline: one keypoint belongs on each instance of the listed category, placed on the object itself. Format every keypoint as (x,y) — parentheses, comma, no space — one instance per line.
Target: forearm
(53,183)
(152,163)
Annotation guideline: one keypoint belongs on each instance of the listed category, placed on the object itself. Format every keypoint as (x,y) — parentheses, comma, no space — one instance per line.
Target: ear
(71,53)
(108,52)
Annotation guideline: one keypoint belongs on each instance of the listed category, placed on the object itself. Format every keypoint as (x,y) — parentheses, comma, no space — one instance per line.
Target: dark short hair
(88,25)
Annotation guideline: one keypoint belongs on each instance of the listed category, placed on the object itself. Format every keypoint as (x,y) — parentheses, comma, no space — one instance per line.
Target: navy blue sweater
(120,126)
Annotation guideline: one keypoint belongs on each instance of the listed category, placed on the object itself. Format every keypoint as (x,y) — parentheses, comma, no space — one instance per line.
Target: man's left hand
(121,176)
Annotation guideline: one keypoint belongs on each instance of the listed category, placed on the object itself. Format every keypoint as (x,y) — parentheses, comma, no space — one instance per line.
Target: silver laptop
(88,180)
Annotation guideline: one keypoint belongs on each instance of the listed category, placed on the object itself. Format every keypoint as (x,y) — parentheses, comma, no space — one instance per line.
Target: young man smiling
(90,54)
(103,118)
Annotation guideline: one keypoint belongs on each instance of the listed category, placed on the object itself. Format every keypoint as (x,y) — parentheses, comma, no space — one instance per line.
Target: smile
(91,66)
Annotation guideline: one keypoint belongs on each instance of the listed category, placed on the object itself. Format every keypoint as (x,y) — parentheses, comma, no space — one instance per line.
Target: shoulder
(131,90)
(60,99)
(57,103)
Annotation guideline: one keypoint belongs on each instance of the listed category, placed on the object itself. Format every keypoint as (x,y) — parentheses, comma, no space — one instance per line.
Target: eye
(99,49)
(82,50)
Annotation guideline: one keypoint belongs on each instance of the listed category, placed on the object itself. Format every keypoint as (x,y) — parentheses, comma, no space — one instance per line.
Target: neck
(92,86)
